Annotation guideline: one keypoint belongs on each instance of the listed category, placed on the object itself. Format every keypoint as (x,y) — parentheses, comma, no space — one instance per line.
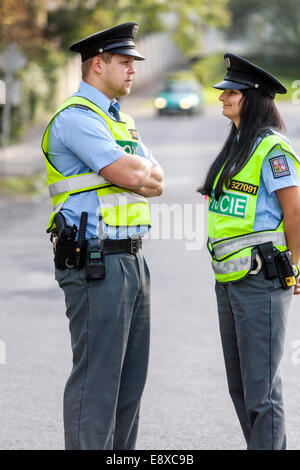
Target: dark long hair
(259,113)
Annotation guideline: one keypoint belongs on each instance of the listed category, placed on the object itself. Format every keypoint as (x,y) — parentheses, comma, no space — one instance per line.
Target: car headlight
(160,102)
(188,102)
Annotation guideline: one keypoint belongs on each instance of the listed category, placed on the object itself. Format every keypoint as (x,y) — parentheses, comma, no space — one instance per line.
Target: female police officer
(253,219)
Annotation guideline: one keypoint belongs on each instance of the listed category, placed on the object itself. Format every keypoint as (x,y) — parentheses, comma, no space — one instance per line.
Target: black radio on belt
(95,261)
(286,269)
(278,264)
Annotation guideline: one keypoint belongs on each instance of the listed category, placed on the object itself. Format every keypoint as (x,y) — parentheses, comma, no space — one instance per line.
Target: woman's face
(232,104)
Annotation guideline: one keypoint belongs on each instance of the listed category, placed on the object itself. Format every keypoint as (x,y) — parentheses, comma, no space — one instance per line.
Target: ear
(97,64)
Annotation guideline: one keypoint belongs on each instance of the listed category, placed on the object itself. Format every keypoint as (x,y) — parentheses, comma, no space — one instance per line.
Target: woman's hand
(297,286)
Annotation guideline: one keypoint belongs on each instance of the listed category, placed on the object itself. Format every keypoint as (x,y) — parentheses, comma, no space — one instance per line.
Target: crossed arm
(135,173)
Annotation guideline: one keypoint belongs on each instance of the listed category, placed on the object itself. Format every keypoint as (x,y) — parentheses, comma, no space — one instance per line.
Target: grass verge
(25,185)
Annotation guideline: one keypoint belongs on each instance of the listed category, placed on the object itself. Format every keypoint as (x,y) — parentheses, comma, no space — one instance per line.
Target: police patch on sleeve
(134,134)
(279,166)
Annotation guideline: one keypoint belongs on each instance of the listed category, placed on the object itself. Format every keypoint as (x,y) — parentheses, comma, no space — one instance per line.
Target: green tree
(75,19)
(281,21)
(285,20)
(194,17)
(241,11)
(44,30)
(23,22)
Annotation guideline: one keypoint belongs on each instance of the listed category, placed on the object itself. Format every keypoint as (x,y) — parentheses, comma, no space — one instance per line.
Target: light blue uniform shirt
(79,142)
(268,210)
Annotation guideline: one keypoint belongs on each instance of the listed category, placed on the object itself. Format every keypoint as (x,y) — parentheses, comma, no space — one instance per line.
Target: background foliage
(44,29)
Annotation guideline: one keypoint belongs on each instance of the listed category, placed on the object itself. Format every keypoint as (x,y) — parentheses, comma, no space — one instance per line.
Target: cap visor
(131,52)
(229,85)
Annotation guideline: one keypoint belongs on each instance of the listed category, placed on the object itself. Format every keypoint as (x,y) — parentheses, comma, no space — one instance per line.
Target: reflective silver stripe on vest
(76,183)
(232,245)
(58,207)
(120,199)
(214,240)
(232,265)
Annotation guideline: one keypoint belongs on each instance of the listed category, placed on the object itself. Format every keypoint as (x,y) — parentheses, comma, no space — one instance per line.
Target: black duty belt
(69,253)
(128,245)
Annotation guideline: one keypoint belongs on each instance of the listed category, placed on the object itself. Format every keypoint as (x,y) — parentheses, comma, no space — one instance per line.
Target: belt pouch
(267,253)
(64,253)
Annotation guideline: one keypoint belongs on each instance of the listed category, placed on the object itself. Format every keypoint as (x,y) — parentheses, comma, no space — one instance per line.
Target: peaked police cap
(242,74)
(118,40)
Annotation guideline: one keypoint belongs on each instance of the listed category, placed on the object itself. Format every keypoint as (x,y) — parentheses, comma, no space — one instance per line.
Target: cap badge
(100,50)
(256,85)
(227,61)
(135,30)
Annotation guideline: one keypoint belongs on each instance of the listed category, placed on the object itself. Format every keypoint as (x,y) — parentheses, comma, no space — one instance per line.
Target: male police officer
(97,164)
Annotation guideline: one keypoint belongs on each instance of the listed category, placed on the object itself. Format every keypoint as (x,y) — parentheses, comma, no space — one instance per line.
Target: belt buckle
(134,245)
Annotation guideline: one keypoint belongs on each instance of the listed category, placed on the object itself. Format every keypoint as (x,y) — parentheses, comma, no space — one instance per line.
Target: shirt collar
(96,96)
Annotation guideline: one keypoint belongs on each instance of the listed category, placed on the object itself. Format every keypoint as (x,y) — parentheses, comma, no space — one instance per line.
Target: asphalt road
(185,404)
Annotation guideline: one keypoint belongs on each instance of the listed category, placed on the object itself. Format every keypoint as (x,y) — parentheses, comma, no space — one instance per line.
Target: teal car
(180,96)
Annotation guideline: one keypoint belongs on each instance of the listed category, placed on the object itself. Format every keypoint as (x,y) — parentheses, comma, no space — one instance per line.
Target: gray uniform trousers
(109,322)
(252,319)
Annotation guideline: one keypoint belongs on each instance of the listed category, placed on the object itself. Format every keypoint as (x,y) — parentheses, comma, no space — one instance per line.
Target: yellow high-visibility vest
(119,206)
(231,237)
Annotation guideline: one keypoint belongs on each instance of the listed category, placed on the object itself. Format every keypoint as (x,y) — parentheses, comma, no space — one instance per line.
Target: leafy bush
(210,69)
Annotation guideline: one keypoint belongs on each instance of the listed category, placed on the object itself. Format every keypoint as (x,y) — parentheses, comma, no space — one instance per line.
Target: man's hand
(154,185)
(297,286)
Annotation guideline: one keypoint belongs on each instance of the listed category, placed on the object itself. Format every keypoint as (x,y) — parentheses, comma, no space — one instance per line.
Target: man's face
(117,75)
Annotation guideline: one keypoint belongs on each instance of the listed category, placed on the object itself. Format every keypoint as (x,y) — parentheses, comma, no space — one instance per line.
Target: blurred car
(180,96)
